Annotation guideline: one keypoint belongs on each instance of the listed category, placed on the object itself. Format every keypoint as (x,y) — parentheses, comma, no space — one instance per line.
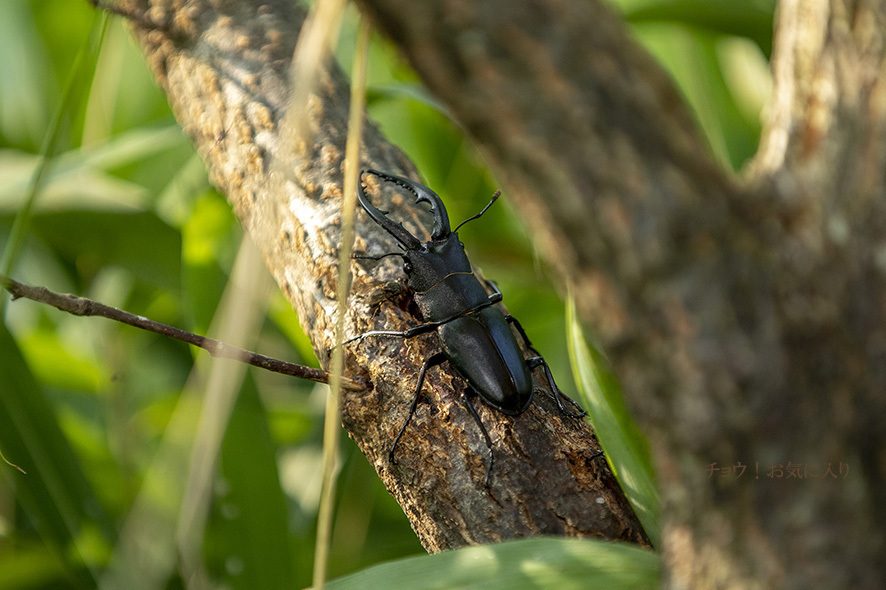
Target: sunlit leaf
(210,236)
(625,446)
(751,18)
(24,111)
(31,566)
(538,563)
(80,179)
(692,59)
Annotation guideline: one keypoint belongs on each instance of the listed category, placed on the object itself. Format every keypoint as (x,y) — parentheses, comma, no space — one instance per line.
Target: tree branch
(225,69)
(81,306)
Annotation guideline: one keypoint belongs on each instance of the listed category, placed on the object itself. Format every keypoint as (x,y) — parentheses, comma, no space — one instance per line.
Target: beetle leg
(466,398)
(430,362)
(431,326)
(496,292)
(424,328)
(512,320)
(410,333)
(378,257)
(538,361)
(373,333)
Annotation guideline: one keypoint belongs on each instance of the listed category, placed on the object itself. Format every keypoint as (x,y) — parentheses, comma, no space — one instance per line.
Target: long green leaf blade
(54,491)
(249,531)
(517,565)
(625,446)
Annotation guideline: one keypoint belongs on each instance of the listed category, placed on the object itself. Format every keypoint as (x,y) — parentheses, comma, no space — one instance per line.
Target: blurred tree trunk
(745,316)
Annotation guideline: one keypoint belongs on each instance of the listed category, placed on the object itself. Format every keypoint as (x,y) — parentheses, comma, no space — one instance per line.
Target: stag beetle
(474,334)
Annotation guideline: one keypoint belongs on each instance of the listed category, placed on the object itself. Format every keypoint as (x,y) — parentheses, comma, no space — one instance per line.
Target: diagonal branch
(225,68)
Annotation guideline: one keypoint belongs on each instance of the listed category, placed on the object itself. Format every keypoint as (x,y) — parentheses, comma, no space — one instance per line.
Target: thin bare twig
(11,464)
(82,306)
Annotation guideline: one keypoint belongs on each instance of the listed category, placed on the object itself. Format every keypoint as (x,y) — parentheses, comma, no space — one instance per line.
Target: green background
(126,215)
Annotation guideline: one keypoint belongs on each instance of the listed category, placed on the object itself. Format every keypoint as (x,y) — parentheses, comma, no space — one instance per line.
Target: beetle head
(425,263)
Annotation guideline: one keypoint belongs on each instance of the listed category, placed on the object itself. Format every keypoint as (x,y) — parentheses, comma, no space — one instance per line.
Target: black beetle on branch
(475,335)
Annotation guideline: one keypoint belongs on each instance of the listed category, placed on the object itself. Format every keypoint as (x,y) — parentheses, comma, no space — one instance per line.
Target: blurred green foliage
(126,216)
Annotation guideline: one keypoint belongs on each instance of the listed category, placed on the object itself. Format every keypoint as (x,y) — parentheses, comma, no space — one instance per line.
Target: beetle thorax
(434,261)
(443,281)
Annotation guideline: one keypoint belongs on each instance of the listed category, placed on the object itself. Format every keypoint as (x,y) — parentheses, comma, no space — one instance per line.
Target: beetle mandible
(475,336)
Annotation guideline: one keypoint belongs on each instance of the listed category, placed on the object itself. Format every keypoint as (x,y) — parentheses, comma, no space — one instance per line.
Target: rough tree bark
(745,316)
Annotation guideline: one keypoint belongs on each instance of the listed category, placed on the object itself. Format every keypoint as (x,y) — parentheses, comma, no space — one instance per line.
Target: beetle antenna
(478,215)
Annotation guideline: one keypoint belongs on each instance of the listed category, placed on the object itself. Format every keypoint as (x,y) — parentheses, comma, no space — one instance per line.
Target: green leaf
(406,90)
(210,236)
(29,566)
(530,563)
(140,242)
(625,446)
(751,19)
(24,112)
(80,179)
(56,364)
(692,58)
(55,493)
(249,532)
